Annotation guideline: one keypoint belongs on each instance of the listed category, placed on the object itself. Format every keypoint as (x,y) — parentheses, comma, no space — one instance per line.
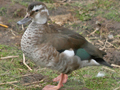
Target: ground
(97,20)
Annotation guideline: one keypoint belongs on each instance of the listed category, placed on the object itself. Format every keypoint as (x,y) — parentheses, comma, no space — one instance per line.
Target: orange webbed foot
(57,79)
(51,87)
(60,84)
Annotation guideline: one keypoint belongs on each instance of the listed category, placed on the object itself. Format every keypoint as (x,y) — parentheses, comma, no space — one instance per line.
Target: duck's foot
(51,87)
(60,84)
(57,79)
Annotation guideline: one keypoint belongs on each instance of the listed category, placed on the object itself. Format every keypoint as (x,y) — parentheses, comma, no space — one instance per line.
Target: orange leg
(60,84)
(58,78)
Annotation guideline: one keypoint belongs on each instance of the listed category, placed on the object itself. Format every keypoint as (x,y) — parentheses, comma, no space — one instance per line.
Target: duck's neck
(32,36)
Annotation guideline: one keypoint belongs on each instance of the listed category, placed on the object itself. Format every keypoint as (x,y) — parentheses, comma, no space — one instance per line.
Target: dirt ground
(14,12)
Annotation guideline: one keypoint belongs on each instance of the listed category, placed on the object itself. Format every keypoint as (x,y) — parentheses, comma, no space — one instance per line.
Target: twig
(15,85)
(109,69)
(93,38)
(4,74)
(25,63)
(20,76)
(117,88)
(92,32)
(4,25)
(105,44)
(12,32)
(112,44)
(8,57)
(100,41)
(23,27)
(9,82)
(115,65)
(35,86)
(31,83)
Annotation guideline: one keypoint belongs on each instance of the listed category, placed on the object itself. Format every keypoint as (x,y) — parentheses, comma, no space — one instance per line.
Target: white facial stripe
(45,10)
(69,53)
(37,7)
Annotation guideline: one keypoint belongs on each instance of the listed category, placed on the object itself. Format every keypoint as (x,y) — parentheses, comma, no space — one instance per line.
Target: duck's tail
(102,62)
(96,54)
(93,51)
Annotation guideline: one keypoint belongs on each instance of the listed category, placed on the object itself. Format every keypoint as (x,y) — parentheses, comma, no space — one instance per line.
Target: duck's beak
(24,20)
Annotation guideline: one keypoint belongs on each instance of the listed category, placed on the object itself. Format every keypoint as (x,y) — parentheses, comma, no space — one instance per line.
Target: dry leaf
(62,19)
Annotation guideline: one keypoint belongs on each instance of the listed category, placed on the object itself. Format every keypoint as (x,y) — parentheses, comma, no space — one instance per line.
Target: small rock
(100,74)
(110,36)
(97,22)
(97,28)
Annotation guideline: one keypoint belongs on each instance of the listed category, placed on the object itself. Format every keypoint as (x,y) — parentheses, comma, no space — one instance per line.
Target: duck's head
(37,12)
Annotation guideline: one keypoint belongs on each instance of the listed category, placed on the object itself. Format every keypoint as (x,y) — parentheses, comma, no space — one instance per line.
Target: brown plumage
(56,47)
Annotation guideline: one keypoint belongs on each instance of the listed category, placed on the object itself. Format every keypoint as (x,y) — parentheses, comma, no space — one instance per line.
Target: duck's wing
(63,39)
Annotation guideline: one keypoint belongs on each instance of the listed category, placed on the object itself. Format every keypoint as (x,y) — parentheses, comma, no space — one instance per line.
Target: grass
(104,4)
(76,4)
(114,15)
(105,8)
(13,69)
(83,16)
(47,1)
(3,11)
(10,69)
(23,3)
(26,2)
(101,83)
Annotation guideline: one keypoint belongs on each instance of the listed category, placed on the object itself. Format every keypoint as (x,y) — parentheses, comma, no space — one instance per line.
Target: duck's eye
(36,10)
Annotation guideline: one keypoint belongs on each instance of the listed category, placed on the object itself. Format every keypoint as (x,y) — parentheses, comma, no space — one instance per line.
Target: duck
(55,47)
